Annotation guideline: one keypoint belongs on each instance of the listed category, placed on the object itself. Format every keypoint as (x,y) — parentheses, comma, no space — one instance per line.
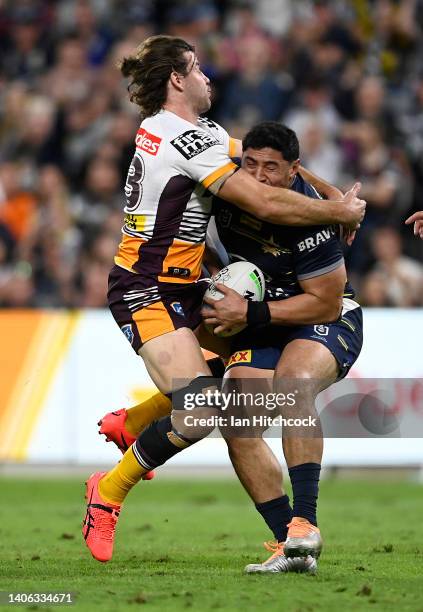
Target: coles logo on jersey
(147,142)
(193,142)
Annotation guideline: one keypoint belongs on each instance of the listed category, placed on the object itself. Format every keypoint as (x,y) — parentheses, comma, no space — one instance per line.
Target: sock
(117,483)
(277,513)
(158,443)
(305,489)
(161,440)
(152,409)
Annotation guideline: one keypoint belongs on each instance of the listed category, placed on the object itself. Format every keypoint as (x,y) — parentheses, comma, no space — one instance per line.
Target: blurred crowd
(346,75)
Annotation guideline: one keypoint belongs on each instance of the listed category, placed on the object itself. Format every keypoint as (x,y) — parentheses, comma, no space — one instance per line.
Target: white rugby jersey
(168,202)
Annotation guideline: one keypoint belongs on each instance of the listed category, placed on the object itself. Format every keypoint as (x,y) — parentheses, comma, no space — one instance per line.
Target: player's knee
(194,425)
(296,381)
(288,370)
(195,409)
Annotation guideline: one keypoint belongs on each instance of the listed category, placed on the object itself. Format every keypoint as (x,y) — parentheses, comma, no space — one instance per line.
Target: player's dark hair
(150,69)
(275,136)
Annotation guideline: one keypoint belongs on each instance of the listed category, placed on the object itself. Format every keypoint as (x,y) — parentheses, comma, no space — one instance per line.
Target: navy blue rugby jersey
(285,254)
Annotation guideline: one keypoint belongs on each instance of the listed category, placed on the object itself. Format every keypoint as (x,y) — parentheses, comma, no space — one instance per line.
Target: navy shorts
(262,348)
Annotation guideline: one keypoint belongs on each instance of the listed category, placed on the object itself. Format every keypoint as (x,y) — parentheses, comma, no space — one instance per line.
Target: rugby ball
(246,279)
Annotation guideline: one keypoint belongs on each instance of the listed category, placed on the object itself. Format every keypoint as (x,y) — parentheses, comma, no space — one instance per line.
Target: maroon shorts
(145,309)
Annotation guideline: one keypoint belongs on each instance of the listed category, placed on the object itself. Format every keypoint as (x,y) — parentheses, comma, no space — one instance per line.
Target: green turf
(183,544)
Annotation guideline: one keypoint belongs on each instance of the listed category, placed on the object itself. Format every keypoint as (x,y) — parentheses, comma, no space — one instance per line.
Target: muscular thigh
(308,360)
(251,388)
(173,358)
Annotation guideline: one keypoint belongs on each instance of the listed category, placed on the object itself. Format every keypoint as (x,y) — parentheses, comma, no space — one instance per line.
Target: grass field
(183,544)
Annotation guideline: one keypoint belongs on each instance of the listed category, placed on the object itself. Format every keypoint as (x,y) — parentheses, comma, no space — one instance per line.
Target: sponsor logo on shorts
(239,357)
(128,333)
(193,142)
(177,307)
(322,330)
(147,142)
(183,272)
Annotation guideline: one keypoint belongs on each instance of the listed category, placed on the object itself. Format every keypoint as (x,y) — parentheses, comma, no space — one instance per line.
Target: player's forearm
(286,207)
(323,187)
(304,309)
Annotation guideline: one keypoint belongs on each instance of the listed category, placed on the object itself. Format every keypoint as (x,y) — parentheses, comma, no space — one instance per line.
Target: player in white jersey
(154,293)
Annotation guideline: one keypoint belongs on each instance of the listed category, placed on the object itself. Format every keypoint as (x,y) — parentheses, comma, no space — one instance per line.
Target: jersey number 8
(133,186)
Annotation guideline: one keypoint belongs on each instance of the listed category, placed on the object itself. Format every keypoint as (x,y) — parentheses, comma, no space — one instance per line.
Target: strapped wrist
(258,313)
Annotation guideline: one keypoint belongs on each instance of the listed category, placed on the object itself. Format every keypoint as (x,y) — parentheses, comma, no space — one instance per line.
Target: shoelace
(298,529)
(105,524)
(275,547)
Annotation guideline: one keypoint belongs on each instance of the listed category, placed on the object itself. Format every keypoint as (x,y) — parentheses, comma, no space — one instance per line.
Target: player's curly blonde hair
(150,68)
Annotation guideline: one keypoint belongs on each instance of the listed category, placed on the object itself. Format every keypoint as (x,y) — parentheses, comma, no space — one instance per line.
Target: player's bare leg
(254,462)
(123,426)
(260,473)
(172,356)
(311,367)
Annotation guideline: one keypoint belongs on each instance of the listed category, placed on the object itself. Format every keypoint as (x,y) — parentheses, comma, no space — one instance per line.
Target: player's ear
(295,166)
(176,80)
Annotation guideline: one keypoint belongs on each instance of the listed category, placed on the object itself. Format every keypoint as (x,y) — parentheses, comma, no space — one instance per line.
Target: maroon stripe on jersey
(172,204)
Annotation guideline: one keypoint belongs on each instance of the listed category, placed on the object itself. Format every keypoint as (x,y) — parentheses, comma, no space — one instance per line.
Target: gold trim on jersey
(127,255)
(183,255)
(217,174)
(232,147)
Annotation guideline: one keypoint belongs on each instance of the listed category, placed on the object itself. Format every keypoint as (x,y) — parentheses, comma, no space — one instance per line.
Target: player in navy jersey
(309,329)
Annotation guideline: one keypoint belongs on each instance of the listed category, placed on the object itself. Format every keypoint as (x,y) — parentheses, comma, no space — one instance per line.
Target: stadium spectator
(395,280)
(100,195)
(318,152)
(254,94)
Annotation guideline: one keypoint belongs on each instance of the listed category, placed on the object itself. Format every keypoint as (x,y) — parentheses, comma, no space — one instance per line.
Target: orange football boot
(100,521)
(112,425)
(303,539)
